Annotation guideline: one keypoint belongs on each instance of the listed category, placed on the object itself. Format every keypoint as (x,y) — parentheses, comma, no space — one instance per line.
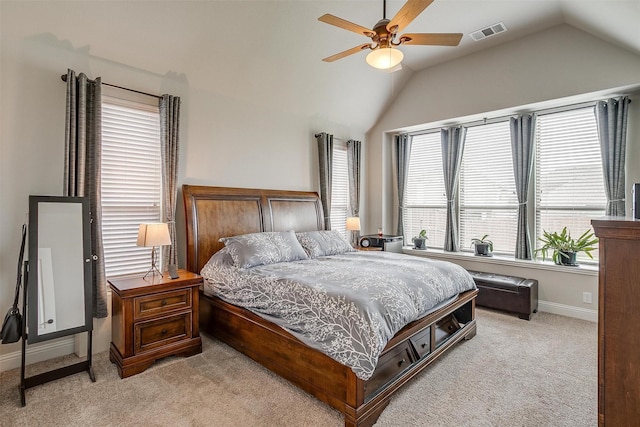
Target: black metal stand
(45,377)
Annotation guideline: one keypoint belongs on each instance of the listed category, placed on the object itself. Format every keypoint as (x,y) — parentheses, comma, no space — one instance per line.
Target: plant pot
(569,258)
(482,249)
(419,243)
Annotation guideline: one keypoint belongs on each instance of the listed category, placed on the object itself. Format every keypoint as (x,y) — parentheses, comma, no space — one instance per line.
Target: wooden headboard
(215,212)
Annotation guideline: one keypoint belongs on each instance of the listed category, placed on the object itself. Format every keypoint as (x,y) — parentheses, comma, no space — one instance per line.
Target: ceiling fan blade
(408,12)
(435,39)
(344,24)
(346,53)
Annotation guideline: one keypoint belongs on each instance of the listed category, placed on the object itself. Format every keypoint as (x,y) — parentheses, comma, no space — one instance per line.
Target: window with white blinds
(569,180)
(340,190)
(425,200)
(131,182)
(487,192)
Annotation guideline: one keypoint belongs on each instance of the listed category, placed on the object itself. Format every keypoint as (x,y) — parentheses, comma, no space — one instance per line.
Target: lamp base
(355,236)
(153,270)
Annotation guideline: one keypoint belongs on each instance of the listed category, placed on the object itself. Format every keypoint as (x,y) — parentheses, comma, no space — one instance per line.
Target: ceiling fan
(384,53)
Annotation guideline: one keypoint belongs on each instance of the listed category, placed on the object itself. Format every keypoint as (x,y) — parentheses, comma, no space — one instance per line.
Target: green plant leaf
(563,242)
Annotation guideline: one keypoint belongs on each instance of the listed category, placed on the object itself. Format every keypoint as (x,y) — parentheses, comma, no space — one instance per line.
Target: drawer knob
(164,332)
(400,363)
(424,344)
(164,302)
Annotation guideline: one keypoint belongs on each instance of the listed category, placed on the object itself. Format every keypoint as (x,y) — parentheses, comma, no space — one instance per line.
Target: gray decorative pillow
(323,243)
(222,257)
(249,250)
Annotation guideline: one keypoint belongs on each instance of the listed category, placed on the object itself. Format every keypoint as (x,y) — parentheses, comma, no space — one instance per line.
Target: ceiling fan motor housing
(382,36)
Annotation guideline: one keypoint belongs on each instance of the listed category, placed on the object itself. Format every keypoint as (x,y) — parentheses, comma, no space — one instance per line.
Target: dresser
(153,318)
(618,322)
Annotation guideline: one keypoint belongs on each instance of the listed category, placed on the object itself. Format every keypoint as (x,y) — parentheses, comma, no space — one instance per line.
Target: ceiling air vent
(488,31)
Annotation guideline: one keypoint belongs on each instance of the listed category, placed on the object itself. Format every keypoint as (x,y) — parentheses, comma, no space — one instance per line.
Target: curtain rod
(64,79)
(505,117)
(335,137)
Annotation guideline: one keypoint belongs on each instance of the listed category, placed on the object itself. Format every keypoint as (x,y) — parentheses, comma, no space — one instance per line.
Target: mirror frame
(33,273)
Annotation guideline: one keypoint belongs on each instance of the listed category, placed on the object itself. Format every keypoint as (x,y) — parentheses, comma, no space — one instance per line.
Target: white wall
(239,126)
(244,111)
(559,63)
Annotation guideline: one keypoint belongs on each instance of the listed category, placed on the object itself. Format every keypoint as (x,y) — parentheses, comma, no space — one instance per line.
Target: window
(131,181)
(488,199)
(569,180)
(425,199)
(340,190)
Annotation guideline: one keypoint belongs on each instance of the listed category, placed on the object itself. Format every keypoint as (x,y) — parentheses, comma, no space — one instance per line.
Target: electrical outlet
(587,297)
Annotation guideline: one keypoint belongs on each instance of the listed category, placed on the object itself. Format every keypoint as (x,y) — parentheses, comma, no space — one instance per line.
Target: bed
(212,213)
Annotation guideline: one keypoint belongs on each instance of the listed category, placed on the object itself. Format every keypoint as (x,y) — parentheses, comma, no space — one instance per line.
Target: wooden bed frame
(214,212)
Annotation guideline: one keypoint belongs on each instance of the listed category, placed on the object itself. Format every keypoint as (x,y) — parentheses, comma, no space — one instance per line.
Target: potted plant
(482,246)
(564,247)
(419,242)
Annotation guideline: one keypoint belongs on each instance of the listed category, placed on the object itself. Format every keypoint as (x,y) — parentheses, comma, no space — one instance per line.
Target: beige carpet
(513,373)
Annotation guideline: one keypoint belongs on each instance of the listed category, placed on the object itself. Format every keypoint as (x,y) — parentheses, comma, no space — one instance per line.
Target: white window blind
(569,180)
(425,199)
(340,190)
(488,200)
(131,182)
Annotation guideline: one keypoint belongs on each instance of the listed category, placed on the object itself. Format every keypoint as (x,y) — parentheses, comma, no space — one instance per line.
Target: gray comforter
(347,306)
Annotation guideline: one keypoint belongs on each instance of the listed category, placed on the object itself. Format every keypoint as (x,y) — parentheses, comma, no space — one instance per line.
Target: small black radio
(386,242)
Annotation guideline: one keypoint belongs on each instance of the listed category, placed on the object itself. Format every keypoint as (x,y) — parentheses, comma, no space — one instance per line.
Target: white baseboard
(568,310)
(38,353)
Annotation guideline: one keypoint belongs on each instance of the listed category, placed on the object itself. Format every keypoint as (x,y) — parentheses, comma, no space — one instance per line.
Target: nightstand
(370,248)
(153,318)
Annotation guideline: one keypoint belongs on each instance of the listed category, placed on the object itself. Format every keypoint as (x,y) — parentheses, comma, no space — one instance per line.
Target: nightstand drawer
(157,333)
(152,305)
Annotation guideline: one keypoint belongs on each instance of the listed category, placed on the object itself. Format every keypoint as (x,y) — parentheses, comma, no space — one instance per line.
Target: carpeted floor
(513,373)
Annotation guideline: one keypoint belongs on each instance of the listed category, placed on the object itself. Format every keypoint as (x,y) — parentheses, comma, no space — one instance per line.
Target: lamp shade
(384,58)
(154,234)
(353,223)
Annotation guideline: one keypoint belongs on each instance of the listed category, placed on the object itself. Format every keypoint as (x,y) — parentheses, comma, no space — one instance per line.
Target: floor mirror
(58,297)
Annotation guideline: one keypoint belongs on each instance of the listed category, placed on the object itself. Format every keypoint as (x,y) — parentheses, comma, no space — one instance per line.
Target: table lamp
(152,235)
(353,225)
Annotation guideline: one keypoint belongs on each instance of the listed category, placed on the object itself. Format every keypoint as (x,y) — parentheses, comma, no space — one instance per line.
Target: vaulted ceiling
(268,53)
(617,22)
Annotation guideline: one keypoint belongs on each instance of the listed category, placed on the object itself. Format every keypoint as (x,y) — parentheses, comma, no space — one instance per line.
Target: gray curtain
(169,143)
(353,160)
(452,141)
(522,146)
(325,157)
(611,117)
(83,148)
(402,149)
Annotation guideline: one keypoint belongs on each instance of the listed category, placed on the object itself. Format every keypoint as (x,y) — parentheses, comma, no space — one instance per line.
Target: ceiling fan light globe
(384,58)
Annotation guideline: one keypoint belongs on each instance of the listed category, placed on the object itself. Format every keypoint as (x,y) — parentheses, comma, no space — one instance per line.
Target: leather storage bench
(508,293)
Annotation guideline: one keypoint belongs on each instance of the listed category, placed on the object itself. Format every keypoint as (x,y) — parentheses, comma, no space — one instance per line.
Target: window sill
(588,270)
